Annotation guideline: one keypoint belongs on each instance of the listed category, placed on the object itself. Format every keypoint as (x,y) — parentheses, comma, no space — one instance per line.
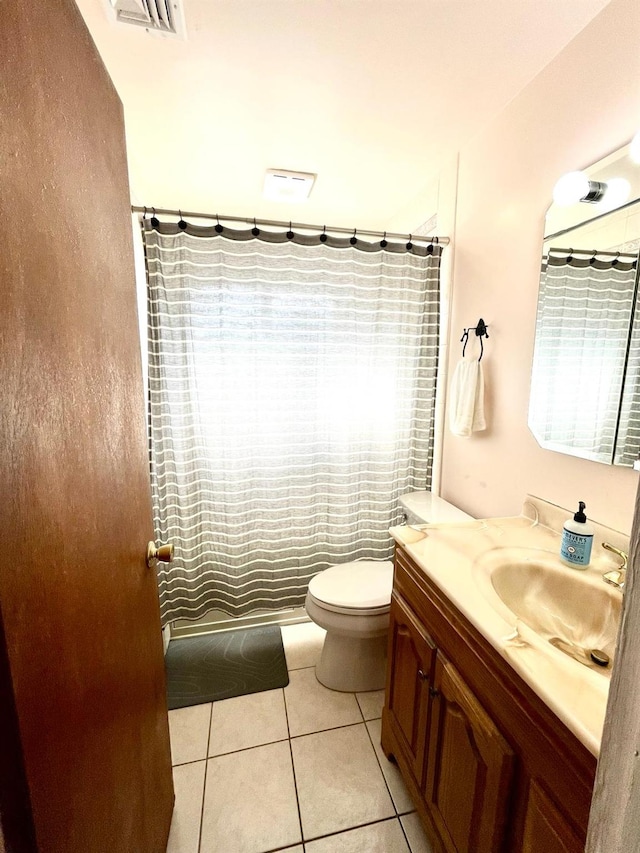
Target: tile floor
(297,770)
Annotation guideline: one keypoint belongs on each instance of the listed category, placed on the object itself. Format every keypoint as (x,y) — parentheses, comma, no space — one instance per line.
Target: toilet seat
(358,588)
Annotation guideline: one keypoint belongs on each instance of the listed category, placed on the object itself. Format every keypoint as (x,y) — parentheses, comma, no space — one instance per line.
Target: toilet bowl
(351,601)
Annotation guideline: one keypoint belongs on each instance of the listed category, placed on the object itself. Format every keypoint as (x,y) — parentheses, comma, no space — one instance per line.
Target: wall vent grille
(156,16)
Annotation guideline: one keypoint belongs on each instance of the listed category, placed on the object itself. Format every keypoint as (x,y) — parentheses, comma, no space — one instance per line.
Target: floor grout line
(349,828)
(186,763)
(322,731)
(406,837)
(375,752)
(293,769)
(204,786)
(246,748)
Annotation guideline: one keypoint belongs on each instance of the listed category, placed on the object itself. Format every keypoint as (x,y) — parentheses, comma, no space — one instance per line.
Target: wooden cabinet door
(546,830)
(469,768)
(411,659)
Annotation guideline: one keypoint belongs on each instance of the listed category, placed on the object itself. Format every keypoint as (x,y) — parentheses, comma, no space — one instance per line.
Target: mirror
(585,384)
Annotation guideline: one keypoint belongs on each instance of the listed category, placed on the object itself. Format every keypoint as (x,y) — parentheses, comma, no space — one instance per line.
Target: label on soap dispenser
(576,547)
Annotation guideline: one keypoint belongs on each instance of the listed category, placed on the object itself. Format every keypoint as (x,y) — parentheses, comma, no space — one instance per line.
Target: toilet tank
(425,508)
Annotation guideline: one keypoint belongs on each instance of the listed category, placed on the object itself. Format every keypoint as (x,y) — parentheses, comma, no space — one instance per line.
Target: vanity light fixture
(576,186)
(616,193)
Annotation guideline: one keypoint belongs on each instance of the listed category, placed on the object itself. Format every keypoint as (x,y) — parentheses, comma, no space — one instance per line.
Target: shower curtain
(291,401)
(584,314)
(627,449)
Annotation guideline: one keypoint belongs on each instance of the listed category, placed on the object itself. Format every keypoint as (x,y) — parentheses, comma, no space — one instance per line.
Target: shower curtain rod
(387,235)
(594,252)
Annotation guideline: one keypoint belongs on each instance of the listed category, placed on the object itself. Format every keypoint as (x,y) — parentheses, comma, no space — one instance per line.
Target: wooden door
(469,768)
(409,670)
(85,765)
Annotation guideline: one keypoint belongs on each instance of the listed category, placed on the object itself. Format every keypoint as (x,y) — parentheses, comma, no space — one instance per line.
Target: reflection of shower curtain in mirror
(627,450)
(582,330)
(292,393)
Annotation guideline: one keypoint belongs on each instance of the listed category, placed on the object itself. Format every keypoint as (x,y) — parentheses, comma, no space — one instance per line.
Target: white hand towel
(466,398)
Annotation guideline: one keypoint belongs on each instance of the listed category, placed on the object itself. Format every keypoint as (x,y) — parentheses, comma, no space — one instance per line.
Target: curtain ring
(569,256)
(218,226)
(144,214)
(290,234)
(323,236)
(155,222)
(255,230)
(181,223)
(353,240)
(409,245)
(616,260)
(383,242)
(437,239)
(592,259)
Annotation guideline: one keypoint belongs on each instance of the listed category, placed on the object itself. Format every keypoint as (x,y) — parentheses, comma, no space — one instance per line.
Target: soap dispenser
(577,539)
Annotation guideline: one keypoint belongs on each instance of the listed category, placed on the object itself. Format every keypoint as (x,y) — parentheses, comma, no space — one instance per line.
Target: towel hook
(481,332)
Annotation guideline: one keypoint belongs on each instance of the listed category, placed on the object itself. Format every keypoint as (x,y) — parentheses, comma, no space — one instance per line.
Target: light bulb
(570,188)
(634,148)
(617,192)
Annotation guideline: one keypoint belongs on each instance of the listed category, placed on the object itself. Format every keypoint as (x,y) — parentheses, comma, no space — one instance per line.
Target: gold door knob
(163,554)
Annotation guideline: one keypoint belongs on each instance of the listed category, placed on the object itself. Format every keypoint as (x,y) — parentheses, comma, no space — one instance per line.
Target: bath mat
(230,663)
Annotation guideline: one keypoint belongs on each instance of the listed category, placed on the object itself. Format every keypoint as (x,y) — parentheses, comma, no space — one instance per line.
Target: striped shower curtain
(291,401)
(584,315)
(627,449)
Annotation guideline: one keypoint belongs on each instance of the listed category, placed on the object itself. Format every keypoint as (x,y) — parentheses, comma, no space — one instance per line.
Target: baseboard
(223,622)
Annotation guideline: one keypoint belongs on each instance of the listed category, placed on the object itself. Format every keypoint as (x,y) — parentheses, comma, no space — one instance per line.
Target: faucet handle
(624,557)
(616,577)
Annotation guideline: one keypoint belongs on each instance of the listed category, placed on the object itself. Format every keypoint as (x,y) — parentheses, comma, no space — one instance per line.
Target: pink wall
(582,106)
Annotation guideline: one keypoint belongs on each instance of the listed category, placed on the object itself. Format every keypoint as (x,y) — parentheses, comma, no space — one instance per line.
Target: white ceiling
(372,95)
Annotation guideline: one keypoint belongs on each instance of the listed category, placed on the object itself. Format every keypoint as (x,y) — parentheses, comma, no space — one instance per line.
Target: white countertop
(447,552)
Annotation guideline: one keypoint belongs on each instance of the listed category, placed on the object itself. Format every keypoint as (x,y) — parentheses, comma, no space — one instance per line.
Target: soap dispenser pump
(577,539)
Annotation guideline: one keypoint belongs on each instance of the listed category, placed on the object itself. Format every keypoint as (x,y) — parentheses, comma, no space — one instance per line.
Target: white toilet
(351,602)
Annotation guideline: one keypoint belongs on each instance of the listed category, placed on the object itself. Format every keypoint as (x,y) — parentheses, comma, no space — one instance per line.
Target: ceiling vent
(283,185)
(162,17)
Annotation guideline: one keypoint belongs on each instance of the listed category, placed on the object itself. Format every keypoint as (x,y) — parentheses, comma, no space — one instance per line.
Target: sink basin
(576,611)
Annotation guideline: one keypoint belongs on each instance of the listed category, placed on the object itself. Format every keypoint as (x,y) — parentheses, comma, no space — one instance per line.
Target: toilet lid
(362,585)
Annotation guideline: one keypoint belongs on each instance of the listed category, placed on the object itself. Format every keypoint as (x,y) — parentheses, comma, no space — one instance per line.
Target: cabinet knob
(422,676)
(434,692)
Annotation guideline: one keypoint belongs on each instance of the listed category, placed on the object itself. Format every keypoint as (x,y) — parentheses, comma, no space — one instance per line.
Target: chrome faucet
(616,577)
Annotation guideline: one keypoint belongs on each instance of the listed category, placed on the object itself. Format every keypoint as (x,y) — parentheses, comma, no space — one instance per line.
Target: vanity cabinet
(407,698)
(490,768)
(469,767)
(545,827)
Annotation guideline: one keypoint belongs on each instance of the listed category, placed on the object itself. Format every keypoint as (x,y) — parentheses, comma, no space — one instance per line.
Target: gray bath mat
(219,666)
